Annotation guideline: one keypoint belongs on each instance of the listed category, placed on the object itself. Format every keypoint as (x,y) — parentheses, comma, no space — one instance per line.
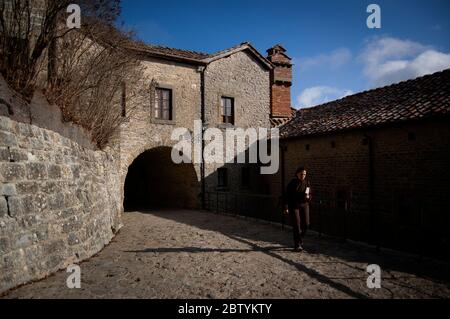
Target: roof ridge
(229,49)
(159,46)
(172,48)
(195,56)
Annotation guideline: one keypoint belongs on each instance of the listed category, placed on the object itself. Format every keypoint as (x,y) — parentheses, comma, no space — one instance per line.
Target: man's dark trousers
(300,222)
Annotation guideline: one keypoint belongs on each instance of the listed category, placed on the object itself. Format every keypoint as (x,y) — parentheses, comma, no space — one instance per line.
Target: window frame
(171,100)
(222,110)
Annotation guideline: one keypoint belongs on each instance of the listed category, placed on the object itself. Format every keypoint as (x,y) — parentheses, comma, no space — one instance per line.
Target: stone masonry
(61,199)
(143,132)
(242,78)
(58,202)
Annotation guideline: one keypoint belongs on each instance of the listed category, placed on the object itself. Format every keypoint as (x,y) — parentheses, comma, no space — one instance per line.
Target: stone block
(18,155)
(11,172)
(72,225)
(21,205)
(50,187)
(54,248)
(40,202)
(24,129)
(8,190)
(70,200)
(36,171)
(56,202)
(30,187)
(36,144)
(7,139)
(3,207)
(54,172)
(4,154)
(66,172)
(25,240)
(5,124)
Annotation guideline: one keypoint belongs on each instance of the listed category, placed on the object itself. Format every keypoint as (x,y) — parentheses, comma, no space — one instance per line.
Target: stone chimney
(280,81)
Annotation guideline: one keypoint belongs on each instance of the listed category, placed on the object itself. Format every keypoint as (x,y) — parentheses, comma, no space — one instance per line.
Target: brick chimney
(280,81)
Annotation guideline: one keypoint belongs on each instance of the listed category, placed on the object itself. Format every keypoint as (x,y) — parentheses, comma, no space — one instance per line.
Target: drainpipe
(202,71)
(283,149)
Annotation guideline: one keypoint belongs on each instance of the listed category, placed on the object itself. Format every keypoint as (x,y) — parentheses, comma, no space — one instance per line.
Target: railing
(381,224)
(244,204)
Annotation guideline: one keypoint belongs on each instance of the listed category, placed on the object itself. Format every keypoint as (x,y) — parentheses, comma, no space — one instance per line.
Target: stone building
(234,88)
(378,164)
(61,198)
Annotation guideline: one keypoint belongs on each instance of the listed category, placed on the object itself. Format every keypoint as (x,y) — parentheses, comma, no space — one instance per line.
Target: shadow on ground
(338,251)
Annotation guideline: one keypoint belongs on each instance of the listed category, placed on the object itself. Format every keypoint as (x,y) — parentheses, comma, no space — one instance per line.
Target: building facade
(228,90)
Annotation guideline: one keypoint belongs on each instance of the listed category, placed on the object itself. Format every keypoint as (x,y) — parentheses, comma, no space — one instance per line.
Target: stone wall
(241,77)
(59,202)
(143,133)
(61,199)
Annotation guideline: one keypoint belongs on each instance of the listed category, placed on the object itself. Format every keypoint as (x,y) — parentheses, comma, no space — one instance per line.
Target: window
(222,174)
(245,177)
(163,104)
(227,110)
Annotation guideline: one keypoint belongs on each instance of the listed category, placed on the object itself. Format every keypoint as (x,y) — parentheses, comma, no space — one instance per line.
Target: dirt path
(191,254)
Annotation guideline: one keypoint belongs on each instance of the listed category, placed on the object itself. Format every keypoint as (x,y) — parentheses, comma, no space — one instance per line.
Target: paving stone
(192,254)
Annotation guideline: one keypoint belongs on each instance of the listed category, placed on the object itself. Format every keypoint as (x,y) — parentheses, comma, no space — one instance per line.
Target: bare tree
(96,74)
(26,29)
(87,70)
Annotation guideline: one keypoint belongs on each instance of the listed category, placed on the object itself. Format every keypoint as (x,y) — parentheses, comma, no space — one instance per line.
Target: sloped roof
(241,47)
(168,53)
(193,56)
(421,98)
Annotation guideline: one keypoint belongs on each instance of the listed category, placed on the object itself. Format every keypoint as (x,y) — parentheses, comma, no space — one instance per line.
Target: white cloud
(388,60)
(332,60)
(320,94)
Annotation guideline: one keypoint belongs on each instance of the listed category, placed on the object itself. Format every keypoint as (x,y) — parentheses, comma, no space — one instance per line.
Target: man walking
(297,198)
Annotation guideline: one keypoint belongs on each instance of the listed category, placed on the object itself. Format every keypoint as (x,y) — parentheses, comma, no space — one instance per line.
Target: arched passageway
(155,181)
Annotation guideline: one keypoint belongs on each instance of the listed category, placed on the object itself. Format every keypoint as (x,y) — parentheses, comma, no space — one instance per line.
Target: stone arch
(152,180)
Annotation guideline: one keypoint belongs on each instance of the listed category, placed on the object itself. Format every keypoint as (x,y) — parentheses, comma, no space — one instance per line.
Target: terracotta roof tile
(409,100)
(169,52)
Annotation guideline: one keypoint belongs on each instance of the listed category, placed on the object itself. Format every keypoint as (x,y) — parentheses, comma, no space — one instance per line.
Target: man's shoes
(298,248)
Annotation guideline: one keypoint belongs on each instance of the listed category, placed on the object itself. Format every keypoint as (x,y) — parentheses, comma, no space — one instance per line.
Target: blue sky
(334,51)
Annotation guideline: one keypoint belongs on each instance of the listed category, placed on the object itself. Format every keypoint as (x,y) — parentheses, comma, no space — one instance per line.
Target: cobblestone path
(193,254)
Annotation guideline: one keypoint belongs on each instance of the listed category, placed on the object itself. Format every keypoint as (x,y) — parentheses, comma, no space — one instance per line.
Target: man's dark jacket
(295,194)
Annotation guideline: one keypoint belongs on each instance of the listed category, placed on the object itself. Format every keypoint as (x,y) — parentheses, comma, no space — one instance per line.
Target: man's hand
(286,211)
